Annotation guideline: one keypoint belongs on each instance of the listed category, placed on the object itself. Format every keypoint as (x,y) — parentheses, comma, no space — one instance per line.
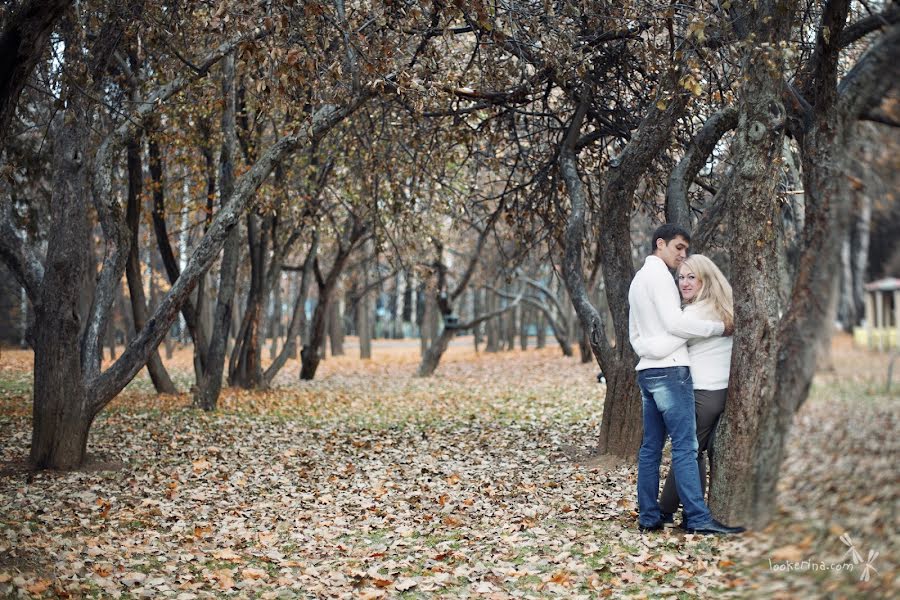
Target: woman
(706,294)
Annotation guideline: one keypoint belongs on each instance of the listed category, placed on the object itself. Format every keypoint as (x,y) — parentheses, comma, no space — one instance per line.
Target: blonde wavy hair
(714,288)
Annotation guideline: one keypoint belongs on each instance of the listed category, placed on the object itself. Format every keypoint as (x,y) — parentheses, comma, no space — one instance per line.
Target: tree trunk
(620,431)
(524,321)
(435,351)
(311,354)
(298,317)
(276,320)
(62,411)
(364,327)
(245,368)
(336,328)
(541,340)
(510,318)
(364,309)
(737,481)
(584,346)
(492,326)
(158,374)
(209,388)
(476,308)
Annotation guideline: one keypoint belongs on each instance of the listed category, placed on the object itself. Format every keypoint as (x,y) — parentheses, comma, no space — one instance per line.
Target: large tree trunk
(737,492)
(62,413)
(774,362)
(620,430)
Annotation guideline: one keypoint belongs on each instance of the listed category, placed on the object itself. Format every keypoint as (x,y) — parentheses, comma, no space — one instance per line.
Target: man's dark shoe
(714,528)
(655,527)
(667,519)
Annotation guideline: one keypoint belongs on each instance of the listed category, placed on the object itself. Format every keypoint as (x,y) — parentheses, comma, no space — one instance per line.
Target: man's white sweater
(656,325)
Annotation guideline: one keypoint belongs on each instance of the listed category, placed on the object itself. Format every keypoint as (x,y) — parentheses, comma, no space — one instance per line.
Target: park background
(330,298)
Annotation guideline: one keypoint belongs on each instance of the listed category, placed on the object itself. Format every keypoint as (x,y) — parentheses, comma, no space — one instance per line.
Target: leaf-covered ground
(370,483)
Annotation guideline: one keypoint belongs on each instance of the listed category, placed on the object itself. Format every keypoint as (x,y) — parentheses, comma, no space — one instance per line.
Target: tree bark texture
(209,388)
(620,429)
(22,44)
(245,368)
(736,491)
(774,361)
(158,374)
(312,352)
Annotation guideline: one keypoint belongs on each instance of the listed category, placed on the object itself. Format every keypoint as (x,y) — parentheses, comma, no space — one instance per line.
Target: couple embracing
(685,357)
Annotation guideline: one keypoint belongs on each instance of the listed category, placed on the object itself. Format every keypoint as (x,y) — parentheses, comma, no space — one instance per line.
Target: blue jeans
(668,403)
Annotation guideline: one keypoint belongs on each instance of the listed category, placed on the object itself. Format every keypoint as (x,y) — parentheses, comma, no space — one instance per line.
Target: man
(667,391)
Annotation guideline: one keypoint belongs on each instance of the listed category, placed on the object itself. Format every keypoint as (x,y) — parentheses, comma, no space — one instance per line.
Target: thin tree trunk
(276,327)
(298,317)
(245,366)
(524,322)
(541,340)
(476,308)
(336,328)
(426,334)
(209,388)
(492,326)
(158,374)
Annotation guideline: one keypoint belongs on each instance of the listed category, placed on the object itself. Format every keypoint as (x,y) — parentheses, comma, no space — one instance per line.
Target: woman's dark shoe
(655,527)
(714,528)
(667,519)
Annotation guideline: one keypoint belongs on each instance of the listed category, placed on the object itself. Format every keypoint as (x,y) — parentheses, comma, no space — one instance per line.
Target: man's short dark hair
(668,232)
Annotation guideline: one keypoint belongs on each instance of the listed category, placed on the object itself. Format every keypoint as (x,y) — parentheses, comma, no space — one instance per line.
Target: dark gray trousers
(708,407)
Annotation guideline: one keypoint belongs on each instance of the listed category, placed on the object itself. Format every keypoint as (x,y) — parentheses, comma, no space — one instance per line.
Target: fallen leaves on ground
(370,483)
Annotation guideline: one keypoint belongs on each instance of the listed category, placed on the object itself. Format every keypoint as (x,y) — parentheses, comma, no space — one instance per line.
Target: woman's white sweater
(710,357)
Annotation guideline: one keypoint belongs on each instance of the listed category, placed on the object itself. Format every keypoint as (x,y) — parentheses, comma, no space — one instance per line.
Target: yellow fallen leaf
(253,573)
(224,577)
(38,587)
(226,554)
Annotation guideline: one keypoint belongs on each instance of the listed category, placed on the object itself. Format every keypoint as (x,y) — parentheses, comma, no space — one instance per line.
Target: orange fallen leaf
(224,577)
(201,531)
(103,569)
(226,554)
(39,587)
(251,573)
